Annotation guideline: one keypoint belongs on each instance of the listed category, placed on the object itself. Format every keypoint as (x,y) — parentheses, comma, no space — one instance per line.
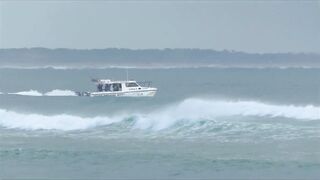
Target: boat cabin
(106,85)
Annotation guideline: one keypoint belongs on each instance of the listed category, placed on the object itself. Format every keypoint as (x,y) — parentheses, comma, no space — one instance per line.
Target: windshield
(132,84)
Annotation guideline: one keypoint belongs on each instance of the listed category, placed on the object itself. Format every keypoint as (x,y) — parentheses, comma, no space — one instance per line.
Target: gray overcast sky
(250,26)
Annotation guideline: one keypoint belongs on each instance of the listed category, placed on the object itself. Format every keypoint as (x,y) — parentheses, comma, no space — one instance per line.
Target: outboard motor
(83,93)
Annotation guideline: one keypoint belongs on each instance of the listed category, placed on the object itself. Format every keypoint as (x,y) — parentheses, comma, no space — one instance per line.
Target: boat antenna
(127,73)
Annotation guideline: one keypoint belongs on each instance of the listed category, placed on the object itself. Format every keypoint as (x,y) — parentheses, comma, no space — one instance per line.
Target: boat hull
(141,93)
(126,94)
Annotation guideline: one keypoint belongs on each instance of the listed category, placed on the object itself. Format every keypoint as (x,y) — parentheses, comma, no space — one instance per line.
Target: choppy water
(203,123)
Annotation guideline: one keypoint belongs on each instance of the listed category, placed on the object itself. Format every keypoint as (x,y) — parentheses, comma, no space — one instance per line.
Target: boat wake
(186,112)
(28,93)
(56,92)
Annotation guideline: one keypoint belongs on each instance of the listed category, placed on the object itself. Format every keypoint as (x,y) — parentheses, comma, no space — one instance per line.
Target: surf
(190,110)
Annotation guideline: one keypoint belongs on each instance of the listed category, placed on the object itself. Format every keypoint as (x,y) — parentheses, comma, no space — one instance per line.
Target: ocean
(204,123)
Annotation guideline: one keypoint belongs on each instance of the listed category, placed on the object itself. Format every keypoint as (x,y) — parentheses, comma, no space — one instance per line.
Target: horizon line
(163,49)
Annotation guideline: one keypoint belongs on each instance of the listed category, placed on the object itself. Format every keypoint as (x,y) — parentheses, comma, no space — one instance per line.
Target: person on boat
(99,87)
(107,87)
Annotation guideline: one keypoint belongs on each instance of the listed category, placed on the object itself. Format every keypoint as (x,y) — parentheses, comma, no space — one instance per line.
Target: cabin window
(116,87)
(132,84)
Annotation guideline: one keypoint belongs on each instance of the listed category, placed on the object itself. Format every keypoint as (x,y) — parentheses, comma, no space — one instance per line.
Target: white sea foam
(64,122)
(189,110)
(58,92)
(198,109)
(28,93)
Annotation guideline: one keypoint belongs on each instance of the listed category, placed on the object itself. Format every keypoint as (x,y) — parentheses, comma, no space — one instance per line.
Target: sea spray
(56,92)
(198,109)
(28,93)
(191,110)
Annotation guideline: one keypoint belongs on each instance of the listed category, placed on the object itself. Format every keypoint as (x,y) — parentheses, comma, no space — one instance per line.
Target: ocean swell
(190,110)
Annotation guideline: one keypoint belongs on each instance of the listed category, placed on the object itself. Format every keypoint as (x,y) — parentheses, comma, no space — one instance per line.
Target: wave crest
(191,110)
(199,109)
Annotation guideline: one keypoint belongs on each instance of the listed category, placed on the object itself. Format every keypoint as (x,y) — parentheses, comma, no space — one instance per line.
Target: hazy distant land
(150,58)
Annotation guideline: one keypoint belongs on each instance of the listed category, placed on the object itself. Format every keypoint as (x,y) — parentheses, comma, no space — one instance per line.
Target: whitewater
(56,92)
(188,110)
(204,122)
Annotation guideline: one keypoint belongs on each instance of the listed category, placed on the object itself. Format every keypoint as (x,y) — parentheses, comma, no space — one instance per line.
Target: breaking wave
(56,92)
(190,110)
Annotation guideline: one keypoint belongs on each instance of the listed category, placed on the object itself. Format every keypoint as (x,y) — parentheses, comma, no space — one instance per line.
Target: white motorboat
(128,88)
